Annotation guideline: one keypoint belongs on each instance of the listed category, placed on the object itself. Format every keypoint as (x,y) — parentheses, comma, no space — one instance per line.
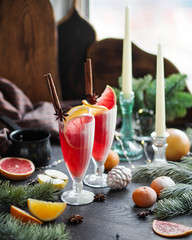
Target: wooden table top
(115,218)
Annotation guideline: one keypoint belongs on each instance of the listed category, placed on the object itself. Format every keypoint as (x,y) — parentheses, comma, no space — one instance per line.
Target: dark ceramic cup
(33,144)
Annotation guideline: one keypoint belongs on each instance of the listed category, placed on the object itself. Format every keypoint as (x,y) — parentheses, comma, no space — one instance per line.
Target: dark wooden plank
(28,45)
(106,56)
(75,35)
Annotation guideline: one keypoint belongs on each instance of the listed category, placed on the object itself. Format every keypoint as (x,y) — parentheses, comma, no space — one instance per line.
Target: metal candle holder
(134,150)
(159,146)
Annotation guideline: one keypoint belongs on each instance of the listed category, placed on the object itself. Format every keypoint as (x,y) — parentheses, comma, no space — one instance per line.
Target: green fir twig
(169,208)
(12,195)
(175,191)
(180,172)
(13,229)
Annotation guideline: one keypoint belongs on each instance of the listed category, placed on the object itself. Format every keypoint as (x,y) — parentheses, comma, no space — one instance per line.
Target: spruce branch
(14,229)
(175,191)
(12,195)
(179,172)
(172,207)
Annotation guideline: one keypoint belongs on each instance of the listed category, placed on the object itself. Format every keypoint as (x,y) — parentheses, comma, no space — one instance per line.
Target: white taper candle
(160,95)
(127,58)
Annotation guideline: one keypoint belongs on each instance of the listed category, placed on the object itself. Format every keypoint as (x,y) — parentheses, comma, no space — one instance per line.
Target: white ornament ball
(119,177)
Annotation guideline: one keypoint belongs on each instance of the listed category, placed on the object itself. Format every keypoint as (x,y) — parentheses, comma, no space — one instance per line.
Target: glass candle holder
(159,146)
(134,150)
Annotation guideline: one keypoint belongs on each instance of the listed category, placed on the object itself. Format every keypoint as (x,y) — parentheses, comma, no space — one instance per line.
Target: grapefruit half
(15,168)
(108,98)
(170,229)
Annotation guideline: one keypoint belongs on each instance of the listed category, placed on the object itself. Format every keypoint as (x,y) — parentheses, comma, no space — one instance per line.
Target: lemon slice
(57,178)
(95,110)
(45,211)
(77,111)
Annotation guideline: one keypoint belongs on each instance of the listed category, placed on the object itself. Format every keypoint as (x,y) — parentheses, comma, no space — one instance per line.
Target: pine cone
(119,177)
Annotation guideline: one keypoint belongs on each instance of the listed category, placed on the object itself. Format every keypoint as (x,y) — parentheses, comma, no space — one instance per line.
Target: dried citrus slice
(170,229)
(16,168)
(108,98)
(46,211)
(23,215)
(77,111)
(57,178)
(95,110)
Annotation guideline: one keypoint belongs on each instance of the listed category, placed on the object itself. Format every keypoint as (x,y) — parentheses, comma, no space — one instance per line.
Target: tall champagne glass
(105,123)
(76,140)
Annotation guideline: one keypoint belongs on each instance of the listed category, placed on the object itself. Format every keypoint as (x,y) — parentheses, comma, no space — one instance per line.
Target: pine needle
(12,195)
(180,172)
(169,208)
(176,191)
(13,229)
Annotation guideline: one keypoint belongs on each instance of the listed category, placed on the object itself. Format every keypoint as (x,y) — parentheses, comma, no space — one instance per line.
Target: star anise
(61,114)
(92,98)
(145,213)
(76,219)
(99,197)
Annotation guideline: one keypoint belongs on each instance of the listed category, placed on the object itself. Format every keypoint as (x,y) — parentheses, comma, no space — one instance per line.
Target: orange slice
(16,168)
(95,110)
(23,215)
(77,111)
(45,211)
(170,229)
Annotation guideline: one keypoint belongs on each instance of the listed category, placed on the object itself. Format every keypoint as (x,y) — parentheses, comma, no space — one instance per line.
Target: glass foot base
(132,149)
(96,181)
(73,198)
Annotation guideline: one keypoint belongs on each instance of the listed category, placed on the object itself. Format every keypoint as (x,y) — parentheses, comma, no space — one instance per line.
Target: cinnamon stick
(59,112)
(53,92)
(88,77)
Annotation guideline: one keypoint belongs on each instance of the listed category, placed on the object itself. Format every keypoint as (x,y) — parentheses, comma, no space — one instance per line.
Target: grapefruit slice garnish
(74,130)
(95,110)
(108,98)
(15,168)
(23,215)
(170,229)
(45,211)
(77,111)
(57,178)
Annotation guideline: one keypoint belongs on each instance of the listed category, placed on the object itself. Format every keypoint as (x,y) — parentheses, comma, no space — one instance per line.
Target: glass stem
(99,169)
(77,186)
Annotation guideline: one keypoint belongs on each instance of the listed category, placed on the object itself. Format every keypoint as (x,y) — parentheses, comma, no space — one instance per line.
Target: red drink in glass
(76,140)
(105,123)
